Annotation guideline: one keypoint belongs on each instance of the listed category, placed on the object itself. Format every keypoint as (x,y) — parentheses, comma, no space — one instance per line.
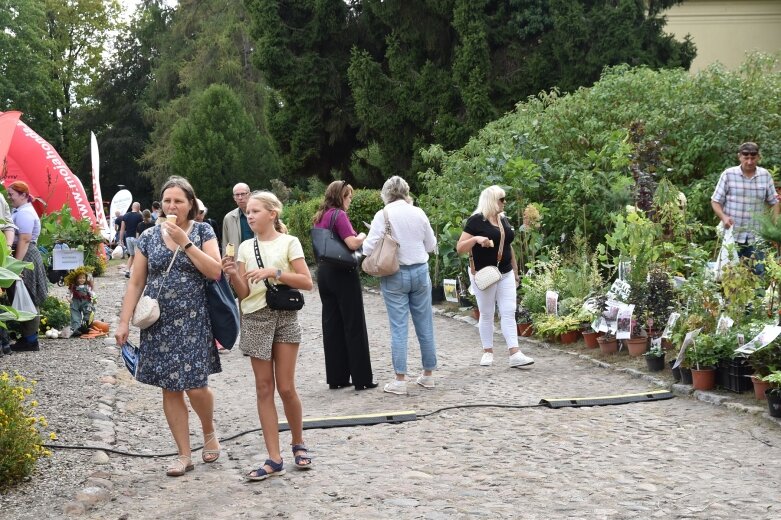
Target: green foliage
(579,144)
(10,270)
(20,430)
(55,314)
(217,146)
(774,378)
(655,351)
(766,359)
(61,227)
(703,353)
(298,219)
(660,300)
(542,277)
(547,325)
(365,204)
(739,285)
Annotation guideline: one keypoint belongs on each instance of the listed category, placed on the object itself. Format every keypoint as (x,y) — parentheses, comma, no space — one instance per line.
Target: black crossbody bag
(280,297)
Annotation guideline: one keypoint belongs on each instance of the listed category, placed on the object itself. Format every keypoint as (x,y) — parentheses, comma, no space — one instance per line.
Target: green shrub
(55,314)
(365,204)
(20,435)
(298,219)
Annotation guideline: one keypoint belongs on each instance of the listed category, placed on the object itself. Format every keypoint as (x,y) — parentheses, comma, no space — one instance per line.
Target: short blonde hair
(394,189)
(271,203)
(488,204)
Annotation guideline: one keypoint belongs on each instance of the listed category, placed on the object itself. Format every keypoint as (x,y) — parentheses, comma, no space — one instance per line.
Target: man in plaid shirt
(741,194)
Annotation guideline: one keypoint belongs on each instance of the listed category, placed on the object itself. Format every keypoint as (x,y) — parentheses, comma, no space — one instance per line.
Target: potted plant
(566,328)
(773,394)
(703,358)
(654,358)
(764,361)
(608,344)
(523,321)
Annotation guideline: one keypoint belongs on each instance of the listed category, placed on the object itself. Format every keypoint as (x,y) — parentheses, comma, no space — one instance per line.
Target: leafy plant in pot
(523,321)
(703,358)
(773,394)
(764,361)
(654,358)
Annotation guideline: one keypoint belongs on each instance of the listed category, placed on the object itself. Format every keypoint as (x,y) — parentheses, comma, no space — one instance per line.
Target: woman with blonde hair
(345,340)
(484,233)
(271,337)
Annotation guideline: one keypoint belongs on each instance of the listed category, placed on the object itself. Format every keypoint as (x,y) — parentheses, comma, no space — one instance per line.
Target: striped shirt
(743,198)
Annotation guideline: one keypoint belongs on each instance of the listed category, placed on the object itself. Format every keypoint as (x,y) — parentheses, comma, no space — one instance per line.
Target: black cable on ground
(223,439)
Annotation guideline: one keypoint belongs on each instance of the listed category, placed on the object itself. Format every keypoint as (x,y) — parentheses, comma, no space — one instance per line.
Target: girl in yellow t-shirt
(271,337)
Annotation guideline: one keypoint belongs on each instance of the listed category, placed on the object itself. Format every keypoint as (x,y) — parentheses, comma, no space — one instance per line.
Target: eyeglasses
(240,194)
(749,154)
(501,200)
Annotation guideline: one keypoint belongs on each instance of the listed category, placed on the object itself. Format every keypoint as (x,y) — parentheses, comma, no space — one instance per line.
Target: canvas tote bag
(384,260)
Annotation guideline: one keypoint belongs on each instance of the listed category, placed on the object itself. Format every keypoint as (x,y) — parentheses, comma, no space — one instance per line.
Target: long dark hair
(334,198)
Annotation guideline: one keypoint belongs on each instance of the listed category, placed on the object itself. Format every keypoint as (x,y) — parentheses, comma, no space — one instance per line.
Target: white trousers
(502,295)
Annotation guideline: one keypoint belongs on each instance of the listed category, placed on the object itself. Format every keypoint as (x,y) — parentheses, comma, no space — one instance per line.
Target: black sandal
(302,461)
(277,469)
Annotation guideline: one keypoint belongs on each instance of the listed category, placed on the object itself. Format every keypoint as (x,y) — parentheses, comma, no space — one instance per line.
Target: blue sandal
(302,461)
(277,469)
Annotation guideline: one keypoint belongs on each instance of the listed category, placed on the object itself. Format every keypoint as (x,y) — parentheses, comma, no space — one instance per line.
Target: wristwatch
(187,245)
(279,273)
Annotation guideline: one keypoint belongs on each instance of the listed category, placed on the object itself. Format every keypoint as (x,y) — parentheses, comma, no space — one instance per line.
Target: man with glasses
(235,228)
(742,193)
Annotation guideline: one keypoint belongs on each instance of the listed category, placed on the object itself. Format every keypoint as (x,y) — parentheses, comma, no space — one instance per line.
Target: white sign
(688,340)
(121,202)
(619,290)
(451,291)
(763,339)
(67,259)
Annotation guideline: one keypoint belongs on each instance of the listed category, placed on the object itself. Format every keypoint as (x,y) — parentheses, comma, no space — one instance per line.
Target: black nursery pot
(655,364)
(773,403)
(676,371)
(686,376)
(437,294)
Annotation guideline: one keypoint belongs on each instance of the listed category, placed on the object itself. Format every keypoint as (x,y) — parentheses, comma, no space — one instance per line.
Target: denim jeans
(755,256)
(409,292)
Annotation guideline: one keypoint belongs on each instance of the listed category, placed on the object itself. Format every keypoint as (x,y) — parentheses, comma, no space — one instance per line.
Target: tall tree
(26,79)
(78,31)
(116,113)
(303,47)
(208,43)
(434,70)
(217,146)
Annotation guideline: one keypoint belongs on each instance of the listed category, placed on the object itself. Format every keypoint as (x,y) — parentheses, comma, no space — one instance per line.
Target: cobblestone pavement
(679,458)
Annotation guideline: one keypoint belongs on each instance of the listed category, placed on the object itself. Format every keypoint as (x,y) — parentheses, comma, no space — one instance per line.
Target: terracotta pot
(590,338)
(608,346)
(568,337)
(773,403)
(704,379)
(760,387)
(525,329)
(476,313)
(636,346)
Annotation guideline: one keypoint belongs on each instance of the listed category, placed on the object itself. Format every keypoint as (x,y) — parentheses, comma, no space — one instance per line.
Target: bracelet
(188,245)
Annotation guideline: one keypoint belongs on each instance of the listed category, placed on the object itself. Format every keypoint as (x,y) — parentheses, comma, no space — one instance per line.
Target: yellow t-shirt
(277,253)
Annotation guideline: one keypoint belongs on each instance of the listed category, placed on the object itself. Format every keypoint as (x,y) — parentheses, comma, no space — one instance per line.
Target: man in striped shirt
(741,194)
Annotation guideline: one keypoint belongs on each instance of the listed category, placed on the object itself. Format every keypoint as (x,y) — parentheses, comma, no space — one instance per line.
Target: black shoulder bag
(280,297)
(330,248)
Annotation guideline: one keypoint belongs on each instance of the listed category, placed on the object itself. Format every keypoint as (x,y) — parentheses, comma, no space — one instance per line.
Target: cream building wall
(725,30)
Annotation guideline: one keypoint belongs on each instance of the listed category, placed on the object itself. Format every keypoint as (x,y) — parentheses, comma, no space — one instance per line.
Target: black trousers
(345,339)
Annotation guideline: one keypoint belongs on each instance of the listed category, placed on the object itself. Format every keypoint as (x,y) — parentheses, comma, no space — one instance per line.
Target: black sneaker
(25,346)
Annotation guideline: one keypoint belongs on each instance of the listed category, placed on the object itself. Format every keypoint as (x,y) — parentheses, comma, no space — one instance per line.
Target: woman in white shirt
(408,291)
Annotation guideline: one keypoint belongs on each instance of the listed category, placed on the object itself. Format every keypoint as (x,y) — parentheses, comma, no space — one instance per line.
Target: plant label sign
(624,325)
(552,302)
(619,290)
(451,291)
(688,340)
(668,329)
(67,259)
(763,339)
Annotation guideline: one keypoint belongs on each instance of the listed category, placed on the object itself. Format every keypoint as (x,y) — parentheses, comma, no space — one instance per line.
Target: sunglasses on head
(749,154)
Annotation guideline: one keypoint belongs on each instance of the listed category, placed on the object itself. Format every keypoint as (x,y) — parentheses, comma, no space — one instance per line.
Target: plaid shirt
(742,199)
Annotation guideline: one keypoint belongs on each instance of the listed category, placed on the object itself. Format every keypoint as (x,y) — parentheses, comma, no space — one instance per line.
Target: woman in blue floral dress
(177,353)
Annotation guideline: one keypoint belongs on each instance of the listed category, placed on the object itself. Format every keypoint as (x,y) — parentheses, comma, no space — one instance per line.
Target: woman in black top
(481,238)
(146,223)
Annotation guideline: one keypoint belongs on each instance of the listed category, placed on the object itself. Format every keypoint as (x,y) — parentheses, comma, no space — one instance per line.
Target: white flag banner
(121,202)
(100,215)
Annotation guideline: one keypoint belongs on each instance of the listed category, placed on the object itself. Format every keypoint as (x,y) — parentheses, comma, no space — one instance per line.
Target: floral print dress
(177,352)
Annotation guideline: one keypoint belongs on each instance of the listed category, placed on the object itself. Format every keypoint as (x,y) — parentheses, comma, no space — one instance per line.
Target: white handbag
(489,275)
(147,310)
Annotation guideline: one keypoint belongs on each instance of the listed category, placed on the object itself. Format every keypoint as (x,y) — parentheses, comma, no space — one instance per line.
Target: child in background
(81,300)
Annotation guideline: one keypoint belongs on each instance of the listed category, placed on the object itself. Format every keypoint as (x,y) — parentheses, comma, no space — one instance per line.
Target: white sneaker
(396,387)
(520,360)
(487,359)
(425,381)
